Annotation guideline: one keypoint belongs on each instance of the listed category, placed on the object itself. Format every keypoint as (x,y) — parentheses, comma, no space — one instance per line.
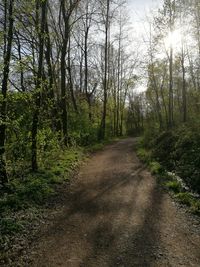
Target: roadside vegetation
(170,105)
(173,156)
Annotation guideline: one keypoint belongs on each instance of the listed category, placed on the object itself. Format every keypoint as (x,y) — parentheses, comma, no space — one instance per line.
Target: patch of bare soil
(115,214)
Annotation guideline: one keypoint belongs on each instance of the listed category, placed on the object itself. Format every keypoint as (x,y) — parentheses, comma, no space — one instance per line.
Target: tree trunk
(171,98)
(51,82)
(37,94)
(63,75)
(184,100)
(70,83)
(7,56)
(171,89)
(105,84)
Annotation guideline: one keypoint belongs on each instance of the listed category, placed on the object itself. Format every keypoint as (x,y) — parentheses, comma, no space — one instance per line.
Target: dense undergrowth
(34,188)
(174,156)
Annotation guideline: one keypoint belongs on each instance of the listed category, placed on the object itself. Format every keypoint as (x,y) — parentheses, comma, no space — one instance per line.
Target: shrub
(163,146)
(187,157)
(185,198)
(150,134)
(196,207)
(36,190)
(179,151)
(175,186)
(144,155)
(9,226)
(156,168)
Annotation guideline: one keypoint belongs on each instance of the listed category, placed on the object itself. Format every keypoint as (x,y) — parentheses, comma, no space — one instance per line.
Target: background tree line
(170,105)
(66,76)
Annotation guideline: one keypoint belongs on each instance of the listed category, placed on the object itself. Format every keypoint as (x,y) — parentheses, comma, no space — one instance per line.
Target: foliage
(164,178)
(196,207)
(8,226)
(185,198)
(186,155)
(35,188)
(144,155)
(163,146)
(175,186)
(155,167)
(179,150)
(150,133)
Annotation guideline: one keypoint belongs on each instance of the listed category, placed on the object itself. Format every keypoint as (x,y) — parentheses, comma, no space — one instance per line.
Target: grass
(9,225)
(195,208)
(174,186)
(35,189)
(169,182)
(144,155)
(95,147)
(185,198)
(155,167)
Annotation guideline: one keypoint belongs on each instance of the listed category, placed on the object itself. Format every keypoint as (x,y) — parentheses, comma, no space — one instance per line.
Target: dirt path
(117,216)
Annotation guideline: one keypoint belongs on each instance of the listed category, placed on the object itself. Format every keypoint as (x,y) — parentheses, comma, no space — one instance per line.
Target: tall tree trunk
(171,98)
(37,94)
(66,14)
(7,56)
(51,82)
(63,74)
(184,100)
(105,82)
(88,96)
(163,100)
(70,83)
(20,62)
(118,85)
(171,88)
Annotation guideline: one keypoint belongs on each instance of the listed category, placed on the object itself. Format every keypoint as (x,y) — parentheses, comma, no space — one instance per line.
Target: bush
(187,157)
(185,198)
(163,146)
(144,155)
(149,135)
(35,190)
(9,226)
(175,186)
(179,151)
(196,207)
(156,168)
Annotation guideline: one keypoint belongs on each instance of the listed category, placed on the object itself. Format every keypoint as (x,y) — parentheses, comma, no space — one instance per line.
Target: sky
(142,5)
(138,12)
(139,9)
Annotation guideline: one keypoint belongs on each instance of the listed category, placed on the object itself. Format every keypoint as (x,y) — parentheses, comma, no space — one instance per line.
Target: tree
(67,7)
(39,84)
(8,39)
(105,81)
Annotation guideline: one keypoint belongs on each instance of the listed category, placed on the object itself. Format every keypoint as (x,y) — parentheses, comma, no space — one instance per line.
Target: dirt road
(116,215)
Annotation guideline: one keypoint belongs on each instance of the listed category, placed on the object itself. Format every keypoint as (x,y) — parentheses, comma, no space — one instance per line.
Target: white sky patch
(139,10)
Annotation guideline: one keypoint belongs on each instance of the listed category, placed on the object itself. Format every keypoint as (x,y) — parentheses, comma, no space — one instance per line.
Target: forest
(66,77)
(74,75)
